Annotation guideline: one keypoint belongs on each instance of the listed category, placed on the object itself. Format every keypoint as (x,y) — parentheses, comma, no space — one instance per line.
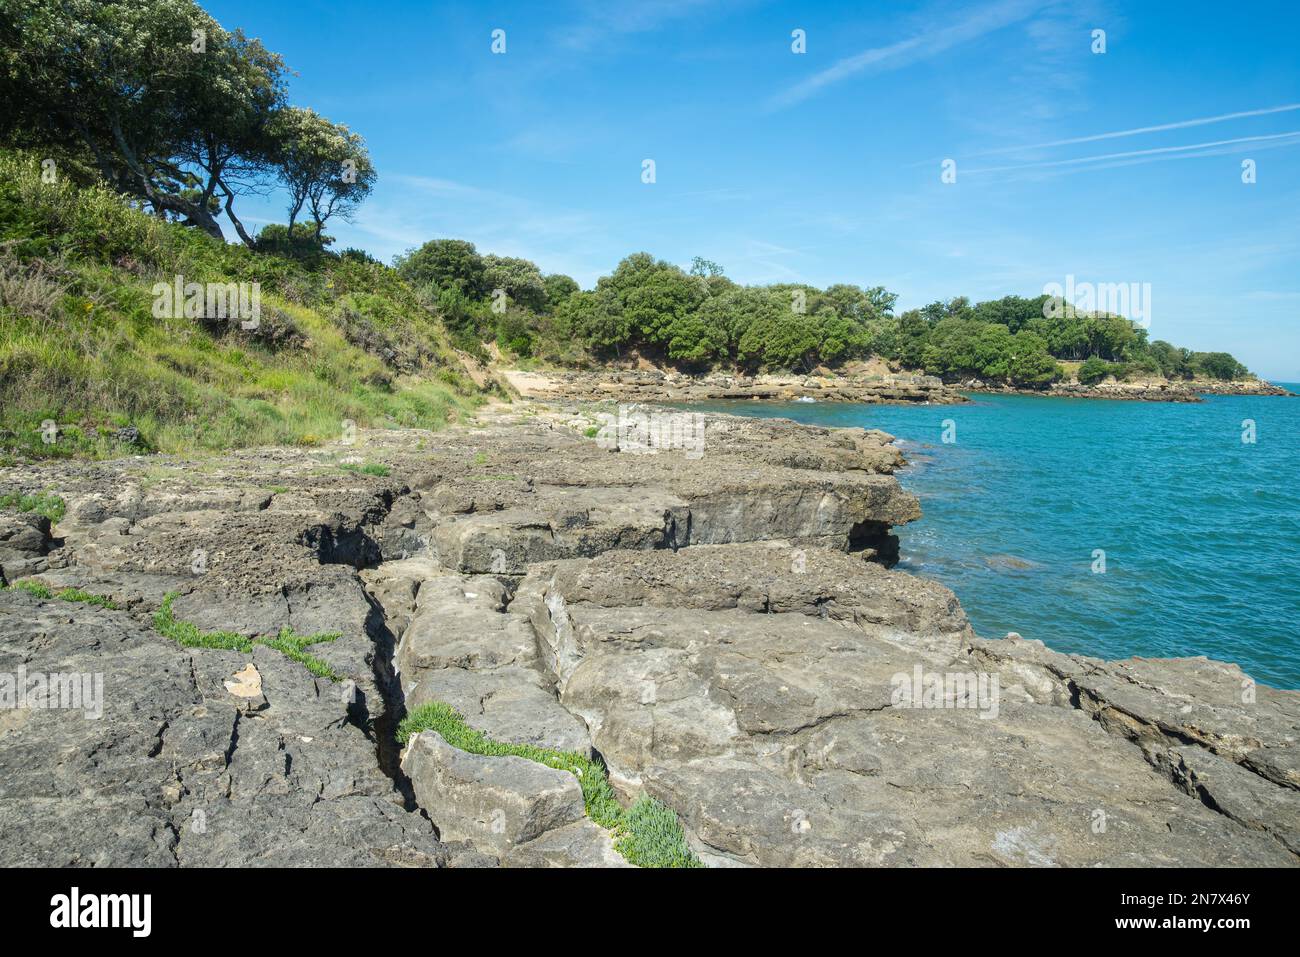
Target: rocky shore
(716,624)
(653,385)
(868,388)
(1154,390)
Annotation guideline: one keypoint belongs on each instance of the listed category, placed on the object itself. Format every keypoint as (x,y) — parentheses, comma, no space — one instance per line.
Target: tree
(598,317)
(913,330)
(706,268)
(1218,365)
(839,336)
(1030,365)
(692,341)
(520,279)
(779,338)
(729,314)
(171,109)
(512,332)
(1093,370)
(559,287)
(168,106)
(121,81)
(1174,363)
(950,349)
(993,351)
(445,264)
(1014,312)
(239,91)
(324,166)
(302,243)
(654,296)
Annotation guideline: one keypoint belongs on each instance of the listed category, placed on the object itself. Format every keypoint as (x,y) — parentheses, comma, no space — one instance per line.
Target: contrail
(1130,153)
(1142,129)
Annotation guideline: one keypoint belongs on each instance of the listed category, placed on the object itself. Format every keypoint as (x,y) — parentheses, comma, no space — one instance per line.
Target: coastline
(1141,391)
(903,388)
(653,385)
(723,631)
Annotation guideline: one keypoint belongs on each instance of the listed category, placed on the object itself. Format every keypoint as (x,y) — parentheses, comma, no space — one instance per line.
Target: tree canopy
(166,106)
(697,318)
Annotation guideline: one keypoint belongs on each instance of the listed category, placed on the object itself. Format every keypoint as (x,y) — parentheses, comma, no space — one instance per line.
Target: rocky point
(721,632)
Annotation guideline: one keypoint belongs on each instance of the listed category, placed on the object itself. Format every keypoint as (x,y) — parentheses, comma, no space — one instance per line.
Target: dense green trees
(700,319)
(1093,370)
(324,166)
(446,264)
(499,298)
(161,103)
(517,278)
(1217,365)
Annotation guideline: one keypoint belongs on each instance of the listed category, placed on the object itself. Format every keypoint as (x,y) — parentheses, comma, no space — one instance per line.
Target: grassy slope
(79,344)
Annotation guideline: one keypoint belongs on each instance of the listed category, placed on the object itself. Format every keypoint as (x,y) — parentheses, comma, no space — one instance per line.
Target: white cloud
(903,53)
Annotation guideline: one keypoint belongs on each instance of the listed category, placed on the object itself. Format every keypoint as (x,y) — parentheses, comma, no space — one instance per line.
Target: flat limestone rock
(774,726)
(175,772)
(1237,792)
(458,623)
(513,705)
(717,623)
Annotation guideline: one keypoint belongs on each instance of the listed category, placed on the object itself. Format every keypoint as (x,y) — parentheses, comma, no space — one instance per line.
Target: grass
(289,644)
(80,346)
(653,837)
(294,647)
(37,590)
(648,834)
(51,506)
(370,468)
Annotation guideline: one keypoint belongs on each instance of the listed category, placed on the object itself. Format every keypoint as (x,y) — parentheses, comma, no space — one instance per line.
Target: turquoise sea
(1200,530)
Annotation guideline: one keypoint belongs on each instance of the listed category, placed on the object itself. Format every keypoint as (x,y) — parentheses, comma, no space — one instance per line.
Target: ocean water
(1200,531)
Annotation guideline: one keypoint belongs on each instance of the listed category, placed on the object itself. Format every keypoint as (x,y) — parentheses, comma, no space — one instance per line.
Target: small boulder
(246,685)
(496,803)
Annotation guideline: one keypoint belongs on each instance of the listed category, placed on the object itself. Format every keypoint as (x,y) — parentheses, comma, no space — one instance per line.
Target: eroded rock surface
(178,770)
(721,629)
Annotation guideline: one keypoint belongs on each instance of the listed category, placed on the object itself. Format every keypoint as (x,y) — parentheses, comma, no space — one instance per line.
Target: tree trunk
(249,241)
(160,200)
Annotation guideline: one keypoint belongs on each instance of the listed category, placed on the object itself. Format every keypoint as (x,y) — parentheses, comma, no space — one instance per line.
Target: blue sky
(825,166)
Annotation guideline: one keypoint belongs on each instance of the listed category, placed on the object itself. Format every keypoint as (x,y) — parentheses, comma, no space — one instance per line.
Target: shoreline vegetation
(88,368)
